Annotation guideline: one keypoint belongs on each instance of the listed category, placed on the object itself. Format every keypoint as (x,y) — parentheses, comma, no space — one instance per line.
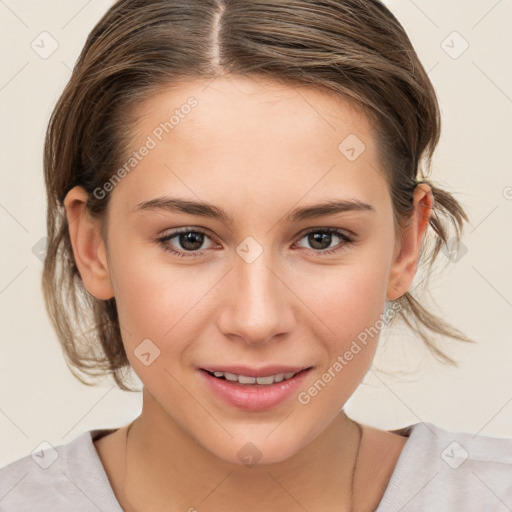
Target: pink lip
(265,371)
(254,397)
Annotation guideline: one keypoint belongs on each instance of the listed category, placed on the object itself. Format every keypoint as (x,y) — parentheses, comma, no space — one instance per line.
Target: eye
(190,240)
(321,239)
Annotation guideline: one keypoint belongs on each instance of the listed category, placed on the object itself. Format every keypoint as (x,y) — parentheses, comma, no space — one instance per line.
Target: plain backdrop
(466,46)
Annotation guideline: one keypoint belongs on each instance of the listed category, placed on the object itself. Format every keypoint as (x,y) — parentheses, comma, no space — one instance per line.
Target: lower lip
(254,397)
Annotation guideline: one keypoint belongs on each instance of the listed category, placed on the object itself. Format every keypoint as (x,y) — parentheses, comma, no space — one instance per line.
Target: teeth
(266,381)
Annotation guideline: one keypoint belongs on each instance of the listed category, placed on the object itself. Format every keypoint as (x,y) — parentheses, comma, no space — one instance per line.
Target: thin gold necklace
(354,465)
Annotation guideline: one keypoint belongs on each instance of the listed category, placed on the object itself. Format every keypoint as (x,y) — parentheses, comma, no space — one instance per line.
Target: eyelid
(347,232)
(187,229)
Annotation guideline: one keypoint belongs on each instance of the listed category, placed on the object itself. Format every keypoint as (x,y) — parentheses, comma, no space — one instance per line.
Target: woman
(237,204)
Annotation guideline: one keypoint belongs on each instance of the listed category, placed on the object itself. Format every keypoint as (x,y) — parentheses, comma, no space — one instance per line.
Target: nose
(257,303)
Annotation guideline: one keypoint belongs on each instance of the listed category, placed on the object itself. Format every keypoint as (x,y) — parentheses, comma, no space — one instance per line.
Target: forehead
(256,137)
(262,105)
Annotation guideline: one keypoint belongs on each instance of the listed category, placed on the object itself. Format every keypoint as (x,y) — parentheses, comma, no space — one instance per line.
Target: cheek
(349,297)
(351,304)
(160,301)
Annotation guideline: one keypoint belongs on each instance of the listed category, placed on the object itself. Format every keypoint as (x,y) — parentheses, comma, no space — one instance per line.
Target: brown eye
(187,241)
(191,241)
(321,239)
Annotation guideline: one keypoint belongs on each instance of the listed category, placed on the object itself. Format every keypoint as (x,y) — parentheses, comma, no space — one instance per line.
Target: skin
(258,149)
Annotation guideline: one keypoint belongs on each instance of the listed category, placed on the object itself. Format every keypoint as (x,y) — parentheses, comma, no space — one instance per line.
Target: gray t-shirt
(437,471)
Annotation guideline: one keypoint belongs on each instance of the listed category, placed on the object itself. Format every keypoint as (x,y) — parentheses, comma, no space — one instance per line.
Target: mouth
(247,379)
(254,389)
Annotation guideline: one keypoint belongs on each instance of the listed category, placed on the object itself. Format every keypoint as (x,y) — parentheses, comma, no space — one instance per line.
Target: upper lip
(264,371)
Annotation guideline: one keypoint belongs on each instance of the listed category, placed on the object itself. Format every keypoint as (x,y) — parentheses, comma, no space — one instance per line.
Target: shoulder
(443,470)
(59,478)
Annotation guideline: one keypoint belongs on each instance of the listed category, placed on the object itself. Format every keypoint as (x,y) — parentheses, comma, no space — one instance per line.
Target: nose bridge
(257,307)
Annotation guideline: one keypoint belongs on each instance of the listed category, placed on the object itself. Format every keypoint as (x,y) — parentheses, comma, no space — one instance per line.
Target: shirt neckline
(101,488)
(412,432)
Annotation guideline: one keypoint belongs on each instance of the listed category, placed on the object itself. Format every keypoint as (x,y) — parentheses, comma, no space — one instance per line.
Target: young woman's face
(250,287)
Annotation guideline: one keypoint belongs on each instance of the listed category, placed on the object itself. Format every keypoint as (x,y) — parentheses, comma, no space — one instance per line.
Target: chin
(263,449)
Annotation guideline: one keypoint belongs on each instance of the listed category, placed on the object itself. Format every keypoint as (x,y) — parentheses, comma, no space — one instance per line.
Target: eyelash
(346,239)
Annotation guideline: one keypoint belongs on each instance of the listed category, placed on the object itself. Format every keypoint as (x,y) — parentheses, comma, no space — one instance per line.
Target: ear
(405,263)
(88,245)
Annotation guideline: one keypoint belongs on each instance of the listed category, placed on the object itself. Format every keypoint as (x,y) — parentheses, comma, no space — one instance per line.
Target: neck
(167,469)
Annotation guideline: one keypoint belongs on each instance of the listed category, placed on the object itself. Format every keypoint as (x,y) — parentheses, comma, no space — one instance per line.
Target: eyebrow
(170,204)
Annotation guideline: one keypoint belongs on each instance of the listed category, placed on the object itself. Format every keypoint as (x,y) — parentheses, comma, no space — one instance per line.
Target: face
(261,284)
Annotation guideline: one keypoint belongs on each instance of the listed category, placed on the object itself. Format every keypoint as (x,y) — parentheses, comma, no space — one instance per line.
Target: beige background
(39,398)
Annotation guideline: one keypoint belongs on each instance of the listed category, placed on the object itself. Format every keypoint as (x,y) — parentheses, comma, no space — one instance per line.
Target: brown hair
(356,48)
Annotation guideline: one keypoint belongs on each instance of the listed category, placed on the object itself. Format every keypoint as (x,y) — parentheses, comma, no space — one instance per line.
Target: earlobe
(405,261)
(88,245)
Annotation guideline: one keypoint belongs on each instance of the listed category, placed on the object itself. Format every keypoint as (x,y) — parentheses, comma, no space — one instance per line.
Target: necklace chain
(354,466)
